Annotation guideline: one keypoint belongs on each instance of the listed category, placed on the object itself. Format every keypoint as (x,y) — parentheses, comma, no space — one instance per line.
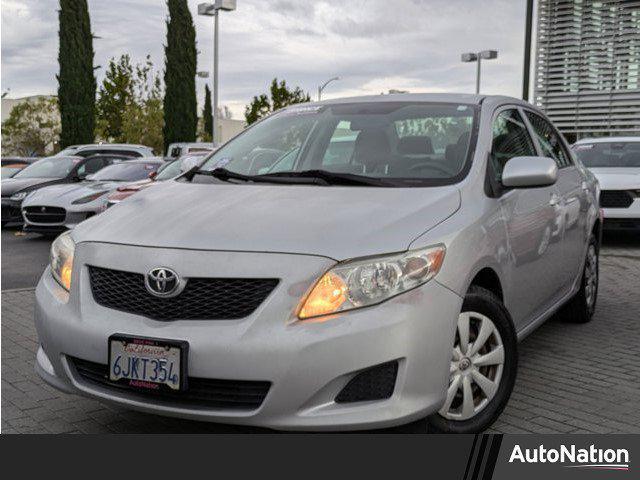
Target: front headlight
(62,251)
(364,282)
(19,196)
(88,198)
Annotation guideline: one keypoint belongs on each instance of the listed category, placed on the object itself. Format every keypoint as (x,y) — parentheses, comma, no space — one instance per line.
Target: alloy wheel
(476,367)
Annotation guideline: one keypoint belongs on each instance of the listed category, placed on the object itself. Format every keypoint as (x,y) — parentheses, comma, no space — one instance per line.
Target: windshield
(406,143)
(127,171)
(609,154)
(176,167)
(50,167)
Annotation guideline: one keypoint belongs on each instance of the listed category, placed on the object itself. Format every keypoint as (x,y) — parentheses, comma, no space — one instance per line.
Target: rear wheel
(483,366)
(581,307)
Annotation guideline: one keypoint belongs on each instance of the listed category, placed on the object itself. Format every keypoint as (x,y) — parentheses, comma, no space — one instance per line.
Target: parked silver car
(615,161)
(59,207)
(365,286)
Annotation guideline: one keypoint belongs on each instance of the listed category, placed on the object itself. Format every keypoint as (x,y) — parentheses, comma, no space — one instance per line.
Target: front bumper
(623,218)
(307,363)
(11,211)
(55,223)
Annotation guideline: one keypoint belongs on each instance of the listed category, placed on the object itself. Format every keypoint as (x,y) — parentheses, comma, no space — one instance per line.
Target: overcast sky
(373,45)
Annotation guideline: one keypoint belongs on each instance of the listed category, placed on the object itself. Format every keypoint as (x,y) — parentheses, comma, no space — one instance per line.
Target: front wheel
(483,366)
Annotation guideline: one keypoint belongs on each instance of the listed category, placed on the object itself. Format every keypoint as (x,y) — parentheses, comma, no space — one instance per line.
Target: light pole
(211,10)
(477,57)
(324,85)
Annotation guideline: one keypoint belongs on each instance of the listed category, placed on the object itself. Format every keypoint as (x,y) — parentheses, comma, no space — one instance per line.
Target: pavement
(571,379)
(24,258)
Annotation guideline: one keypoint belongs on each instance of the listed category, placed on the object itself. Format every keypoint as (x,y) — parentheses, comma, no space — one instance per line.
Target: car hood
(336,222)
(627,178)
(61,195)
(14,185)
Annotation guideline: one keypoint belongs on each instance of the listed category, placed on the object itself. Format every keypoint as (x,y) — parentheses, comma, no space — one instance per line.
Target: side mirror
(153,175)
(529,172)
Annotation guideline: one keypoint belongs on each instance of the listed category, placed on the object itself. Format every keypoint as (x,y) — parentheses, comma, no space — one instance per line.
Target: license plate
(148,363)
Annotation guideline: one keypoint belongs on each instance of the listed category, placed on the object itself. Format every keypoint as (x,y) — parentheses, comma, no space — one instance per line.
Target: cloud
(373,45)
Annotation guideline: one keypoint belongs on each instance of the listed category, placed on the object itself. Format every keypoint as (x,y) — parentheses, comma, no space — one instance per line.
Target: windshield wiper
(226,175)
(332,178)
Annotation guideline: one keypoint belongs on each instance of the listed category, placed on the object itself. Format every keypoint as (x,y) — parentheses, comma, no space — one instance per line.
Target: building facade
(587,66)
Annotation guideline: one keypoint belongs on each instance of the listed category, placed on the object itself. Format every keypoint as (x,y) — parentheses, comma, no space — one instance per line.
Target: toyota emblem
(163,282)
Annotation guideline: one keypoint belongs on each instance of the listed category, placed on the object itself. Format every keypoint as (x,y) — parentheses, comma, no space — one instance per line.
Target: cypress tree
(180,103)
(207,113)
(76,81)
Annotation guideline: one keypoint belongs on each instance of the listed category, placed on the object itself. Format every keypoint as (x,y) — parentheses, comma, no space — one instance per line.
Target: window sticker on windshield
(303,110)
(222,162)
(579,148)
(462,108)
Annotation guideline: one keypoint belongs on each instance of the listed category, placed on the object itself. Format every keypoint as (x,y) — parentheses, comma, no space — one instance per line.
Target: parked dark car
(45,172)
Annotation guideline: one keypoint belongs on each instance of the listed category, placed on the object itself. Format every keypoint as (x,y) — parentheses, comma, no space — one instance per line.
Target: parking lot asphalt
(571,379)
(24,258)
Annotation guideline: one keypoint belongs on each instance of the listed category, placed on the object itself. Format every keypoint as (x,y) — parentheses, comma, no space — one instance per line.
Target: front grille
(200,393)
(45,214)
(375,383)
(11,213)
(615,199)
(202,298)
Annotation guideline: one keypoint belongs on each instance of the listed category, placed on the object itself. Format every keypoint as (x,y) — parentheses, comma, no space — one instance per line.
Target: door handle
(554,200)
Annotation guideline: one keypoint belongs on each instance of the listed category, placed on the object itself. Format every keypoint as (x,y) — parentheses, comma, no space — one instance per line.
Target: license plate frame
(181,345)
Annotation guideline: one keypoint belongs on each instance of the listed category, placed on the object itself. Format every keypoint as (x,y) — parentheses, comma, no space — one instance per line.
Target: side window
(92,166)
(549,140)
(510,139)
(341,145)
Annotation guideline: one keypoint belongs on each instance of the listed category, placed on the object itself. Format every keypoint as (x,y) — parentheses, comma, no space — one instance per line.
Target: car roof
(607,140)
(142,160)
(420,97)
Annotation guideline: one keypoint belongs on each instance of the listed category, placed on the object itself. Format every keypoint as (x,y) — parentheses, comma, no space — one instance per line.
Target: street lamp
(477,57)
(323,86)
(211,10)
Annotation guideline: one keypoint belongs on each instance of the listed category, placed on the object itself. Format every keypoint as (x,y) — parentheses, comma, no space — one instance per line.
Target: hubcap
(591,276)
(476,367)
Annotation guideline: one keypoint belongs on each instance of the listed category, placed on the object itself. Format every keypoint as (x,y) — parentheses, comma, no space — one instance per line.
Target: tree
(76,81)
(115,93)
(32,128)
(207,113)
(281,96)
(143,116)
(180,103)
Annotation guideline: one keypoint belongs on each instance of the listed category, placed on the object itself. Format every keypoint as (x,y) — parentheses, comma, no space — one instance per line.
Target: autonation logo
(590,458)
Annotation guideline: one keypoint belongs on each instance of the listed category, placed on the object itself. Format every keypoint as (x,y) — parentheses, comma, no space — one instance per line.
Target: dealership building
(587,66)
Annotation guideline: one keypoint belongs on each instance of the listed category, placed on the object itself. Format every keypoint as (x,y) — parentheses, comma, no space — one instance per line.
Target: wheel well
(487,278)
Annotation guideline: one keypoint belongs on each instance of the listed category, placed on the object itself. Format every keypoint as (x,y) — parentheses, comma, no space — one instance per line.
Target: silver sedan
(381,274)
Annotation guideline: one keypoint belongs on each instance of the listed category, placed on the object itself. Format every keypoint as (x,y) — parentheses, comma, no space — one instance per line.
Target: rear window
(608,154)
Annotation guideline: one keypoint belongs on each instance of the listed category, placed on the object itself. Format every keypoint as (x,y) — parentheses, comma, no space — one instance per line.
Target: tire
(581,307)
(479,305)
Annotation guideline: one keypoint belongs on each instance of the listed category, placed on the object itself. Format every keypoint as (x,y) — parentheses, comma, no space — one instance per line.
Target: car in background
(107,148)
(43,173)
(167,171)
(615,161)
(60,207)
(177,150)
(12,165)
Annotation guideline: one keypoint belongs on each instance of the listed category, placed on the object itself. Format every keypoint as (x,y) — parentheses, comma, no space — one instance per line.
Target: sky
(372,45)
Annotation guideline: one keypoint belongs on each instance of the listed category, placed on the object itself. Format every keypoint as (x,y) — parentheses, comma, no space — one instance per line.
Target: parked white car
(615,161)
(100,148)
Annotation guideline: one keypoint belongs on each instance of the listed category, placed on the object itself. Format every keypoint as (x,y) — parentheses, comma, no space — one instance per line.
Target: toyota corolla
(382,274)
